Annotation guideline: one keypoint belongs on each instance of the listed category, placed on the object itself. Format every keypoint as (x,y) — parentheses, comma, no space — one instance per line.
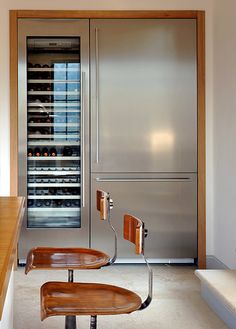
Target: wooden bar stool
(48,258)
(70,298)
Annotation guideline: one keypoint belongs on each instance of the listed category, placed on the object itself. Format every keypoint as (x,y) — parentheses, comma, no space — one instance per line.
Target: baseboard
(155,261)
(173,261)
(213,263)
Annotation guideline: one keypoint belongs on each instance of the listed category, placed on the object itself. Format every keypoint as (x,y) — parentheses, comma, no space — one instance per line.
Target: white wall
(5,5)
(225,132)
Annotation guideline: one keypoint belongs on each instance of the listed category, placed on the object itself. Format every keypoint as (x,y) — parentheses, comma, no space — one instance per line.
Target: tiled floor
(177,303)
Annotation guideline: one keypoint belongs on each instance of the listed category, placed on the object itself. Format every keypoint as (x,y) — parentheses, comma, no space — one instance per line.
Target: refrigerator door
(167,203)
(144,95)
(54,132)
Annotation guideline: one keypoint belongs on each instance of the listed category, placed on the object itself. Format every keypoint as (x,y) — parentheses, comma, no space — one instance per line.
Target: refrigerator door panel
(167,203)
(53,73)
(144,95)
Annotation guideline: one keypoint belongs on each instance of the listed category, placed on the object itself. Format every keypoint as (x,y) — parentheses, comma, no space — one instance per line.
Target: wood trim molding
(201,141)
(60,14)
(13,104)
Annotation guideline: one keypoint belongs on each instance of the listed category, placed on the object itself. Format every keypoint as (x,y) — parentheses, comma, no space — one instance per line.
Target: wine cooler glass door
(55,124)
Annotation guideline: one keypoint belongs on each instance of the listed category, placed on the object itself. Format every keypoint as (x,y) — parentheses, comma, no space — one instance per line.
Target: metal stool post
(70,322)
(93,322)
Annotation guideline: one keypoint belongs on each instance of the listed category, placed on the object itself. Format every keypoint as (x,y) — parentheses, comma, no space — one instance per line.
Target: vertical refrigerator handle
(97,92)
(82,137)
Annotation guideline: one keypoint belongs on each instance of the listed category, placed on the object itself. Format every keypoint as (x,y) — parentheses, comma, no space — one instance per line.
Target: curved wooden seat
(63,298)
(65,258)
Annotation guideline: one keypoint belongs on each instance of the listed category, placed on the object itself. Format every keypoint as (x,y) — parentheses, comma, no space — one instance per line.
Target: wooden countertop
(11,215)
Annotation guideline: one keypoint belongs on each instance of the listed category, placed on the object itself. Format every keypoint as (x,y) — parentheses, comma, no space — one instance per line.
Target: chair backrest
(104,206)
(135,232)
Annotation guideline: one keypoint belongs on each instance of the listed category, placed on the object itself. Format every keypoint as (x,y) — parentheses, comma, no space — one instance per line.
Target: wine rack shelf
(77,125)
(45,209)
(54,173)
(55,104)
(55,142)
(56,158)
(55,136)
(54,93)
(52,81)
(53,184)
(50,69)
(54,197)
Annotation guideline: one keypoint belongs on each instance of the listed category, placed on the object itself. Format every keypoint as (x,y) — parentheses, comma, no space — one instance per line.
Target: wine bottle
(47,203)
(38,203)
(67,151)
(67,203)
(76,203)
(37,152)
(30,203)
(53,152)
(30,152)
(45,152)
(59,203)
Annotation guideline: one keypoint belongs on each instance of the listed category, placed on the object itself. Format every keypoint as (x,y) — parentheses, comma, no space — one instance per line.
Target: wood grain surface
(11,215)
(66,298)
(65,258)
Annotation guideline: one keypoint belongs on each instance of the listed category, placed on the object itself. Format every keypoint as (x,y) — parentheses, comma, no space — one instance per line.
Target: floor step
(218,289)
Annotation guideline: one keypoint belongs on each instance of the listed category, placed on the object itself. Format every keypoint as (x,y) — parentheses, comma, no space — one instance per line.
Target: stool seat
(65,258)
(69,298)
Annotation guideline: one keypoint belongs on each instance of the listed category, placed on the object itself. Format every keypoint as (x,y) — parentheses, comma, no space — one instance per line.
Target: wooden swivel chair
(69,298)
(49,258)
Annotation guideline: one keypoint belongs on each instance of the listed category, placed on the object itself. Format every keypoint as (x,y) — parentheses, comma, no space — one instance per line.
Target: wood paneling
(11,215)
(198,15)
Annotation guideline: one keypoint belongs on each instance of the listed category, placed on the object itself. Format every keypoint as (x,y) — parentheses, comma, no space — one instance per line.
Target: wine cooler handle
(82,138)
(97,93)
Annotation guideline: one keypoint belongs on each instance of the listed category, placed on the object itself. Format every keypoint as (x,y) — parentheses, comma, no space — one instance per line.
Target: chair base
(70,322)
(93,322)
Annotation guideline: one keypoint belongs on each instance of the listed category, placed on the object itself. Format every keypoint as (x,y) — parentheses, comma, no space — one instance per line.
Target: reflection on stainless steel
(162,141)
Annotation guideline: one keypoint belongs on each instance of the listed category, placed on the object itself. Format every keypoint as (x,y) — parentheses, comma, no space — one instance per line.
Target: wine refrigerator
(53,132)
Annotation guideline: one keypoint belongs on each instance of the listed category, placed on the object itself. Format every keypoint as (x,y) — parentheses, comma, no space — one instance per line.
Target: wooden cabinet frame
(61,14)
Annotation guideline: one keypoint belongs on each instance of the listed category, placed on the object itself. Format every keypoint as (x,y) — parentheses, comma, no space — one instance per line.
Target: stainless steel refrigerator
(144,131)
(116,100)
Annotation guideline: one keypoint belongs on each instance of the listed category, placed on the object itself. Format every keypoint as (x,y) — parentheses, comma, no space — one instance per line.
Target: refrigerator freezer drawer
(167,204)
